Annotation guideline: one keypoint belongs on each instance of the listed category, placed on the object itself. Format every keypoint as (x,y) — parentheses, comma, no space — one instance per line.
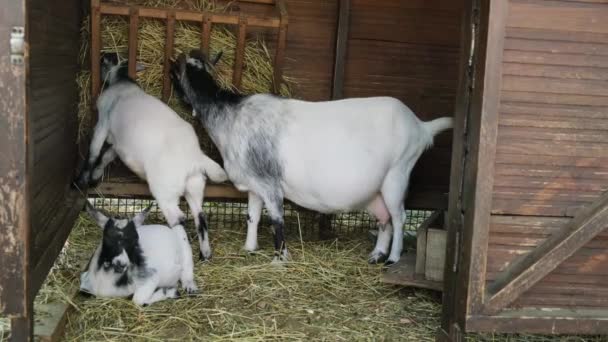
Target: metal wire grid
(233,215)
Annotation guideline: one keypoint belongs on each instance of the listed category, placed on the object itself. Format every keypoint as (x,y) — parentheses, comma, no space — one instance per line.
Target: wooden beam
(479,178)
(341,47)
(133,26)
(239,56)
(197,16)
(279,57)
(95,58)
(473,152)
(15,176)
(540,321)
(206,34)
(523,273)
(170,36)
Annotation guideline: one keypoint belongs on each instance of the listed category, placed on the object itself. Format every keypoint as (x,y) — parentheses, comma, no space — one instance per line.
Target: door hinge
(17,45)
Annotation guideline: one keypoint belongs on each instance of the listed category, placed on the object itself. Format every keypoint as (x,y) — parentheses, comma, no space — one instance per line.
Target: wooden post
(95,57)
(474,148)
(133,25)
(206,34)
(168,54)
(281,42)
(341,47)
(240,52)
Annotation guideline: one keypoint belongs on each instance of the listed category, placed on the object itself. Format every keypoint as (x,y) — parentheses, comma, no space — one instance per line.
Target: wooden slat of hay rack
(278,20)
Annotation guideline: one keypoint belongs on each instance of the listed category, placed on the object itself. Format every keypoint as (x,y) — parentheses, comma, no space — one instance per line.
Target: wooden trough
(525,167)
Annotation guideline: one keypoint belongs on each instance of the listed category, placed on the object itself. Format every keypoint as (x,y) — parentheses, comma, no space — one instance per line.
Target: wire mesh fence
(233,215)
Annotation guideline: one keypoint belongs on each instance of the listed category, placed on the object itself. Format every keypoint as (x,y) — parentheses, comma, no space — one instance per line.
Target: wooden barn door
(39,46)
(14,196)
(528,207)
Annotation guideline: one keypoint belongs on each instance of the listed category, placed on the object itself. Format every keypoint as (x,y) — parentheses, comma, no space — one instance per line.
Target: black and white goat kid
(155,143)
(145,261)
(326,156)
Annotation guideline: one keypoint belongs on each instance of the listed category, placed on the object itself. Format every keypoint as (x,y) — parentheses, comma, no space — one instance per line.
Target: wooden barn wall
(551,153)
(54,28)
(409,50)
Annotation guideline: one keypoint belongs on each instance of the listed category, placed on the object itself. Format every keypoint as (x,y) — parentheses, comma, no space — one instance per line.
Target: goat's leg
(380,252)
(163,293)
(99,137)
(145,286)
(170,209)
(378,209)
(274,204)
(254,212)
(187,276)
(195,189)
(107,157)
(394,189)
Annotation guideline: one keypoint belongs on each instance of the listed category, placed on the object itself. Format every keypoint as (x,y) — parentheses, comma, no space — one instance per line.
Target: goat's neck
(217,110)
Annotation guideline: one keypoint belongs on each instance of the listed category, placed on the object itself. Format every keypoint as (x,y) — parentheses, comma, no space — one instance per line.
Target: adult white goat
(155,143)
(144,261)
(326,156)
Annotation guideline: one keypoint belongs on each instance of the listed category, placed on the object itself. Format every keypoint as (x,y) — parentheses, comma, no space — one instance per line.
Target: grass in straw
(257,68)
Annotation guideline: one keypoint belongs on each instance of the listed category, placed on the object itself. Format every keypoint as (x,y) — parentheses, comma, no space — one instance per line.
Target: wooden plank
(206,34)
(421,238)
(527,271)
(542,321)
(479,178)
(553,15)
(403,273)
(219,18)
(133,28)
(454,311)
(435,254)
(170,36)
(239,55)
(279,57)
(341,48)
(95,58)
(15,176)
(51,326)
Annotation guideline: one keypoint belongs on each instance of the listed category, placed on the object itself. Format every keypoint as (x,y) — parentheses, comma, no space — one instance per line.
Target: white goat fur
(167,259)
(157,145)
(332,156)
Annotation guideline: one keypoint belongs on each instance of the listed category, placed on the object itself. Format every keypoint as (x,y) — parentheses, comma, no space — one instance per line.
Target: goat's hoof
(376,257)
(280,258)
(390,262)
(203,258)
(190,288)
(250,249)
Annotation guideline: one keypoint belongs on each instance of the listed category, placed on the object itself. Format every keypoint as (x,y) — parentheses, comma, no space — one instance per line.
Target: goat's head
(119,250)
(114,69)
(193,74)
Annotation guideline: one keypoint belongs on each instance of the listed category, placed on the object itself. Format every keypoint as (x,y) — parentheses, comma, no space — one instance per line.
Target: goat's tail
(212,169)
(436,126)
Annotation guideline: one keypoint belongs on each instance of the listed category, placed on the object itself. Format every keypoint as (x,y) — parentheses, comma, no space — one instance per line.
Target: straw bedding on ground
(327,293)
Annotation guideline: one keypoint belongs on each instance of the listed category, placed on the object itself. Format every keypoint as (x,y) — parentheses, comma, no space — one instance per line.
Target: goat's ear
(216,58)
(96,215)
(139,219)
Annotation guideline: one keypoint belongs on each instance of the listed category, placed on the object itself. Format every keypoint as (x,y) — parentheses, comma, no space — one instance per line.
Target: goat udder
(377,207)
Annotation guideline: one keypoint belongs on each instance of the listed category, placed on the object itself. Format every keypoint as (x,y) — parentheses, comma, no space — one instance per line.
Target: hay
(257,65)
(328,292)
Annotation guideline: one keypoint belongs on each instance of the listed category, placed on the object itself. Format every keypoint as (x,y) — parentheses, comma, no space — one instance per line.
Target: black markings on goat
(116,241)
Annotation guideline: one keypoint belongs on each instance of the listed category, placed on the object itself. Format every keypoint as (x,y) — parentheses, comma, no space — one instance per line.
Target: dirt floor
(327,293)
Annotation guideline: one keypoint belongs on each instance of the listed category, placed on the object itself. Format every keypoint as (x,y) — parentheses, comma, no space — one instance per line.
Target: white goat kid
(326,156)
(144,261)
(155,143)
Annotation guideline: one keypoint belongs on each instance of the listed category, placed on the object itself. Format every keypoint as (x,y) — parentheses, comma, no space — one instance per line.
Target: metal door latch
(17,45)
